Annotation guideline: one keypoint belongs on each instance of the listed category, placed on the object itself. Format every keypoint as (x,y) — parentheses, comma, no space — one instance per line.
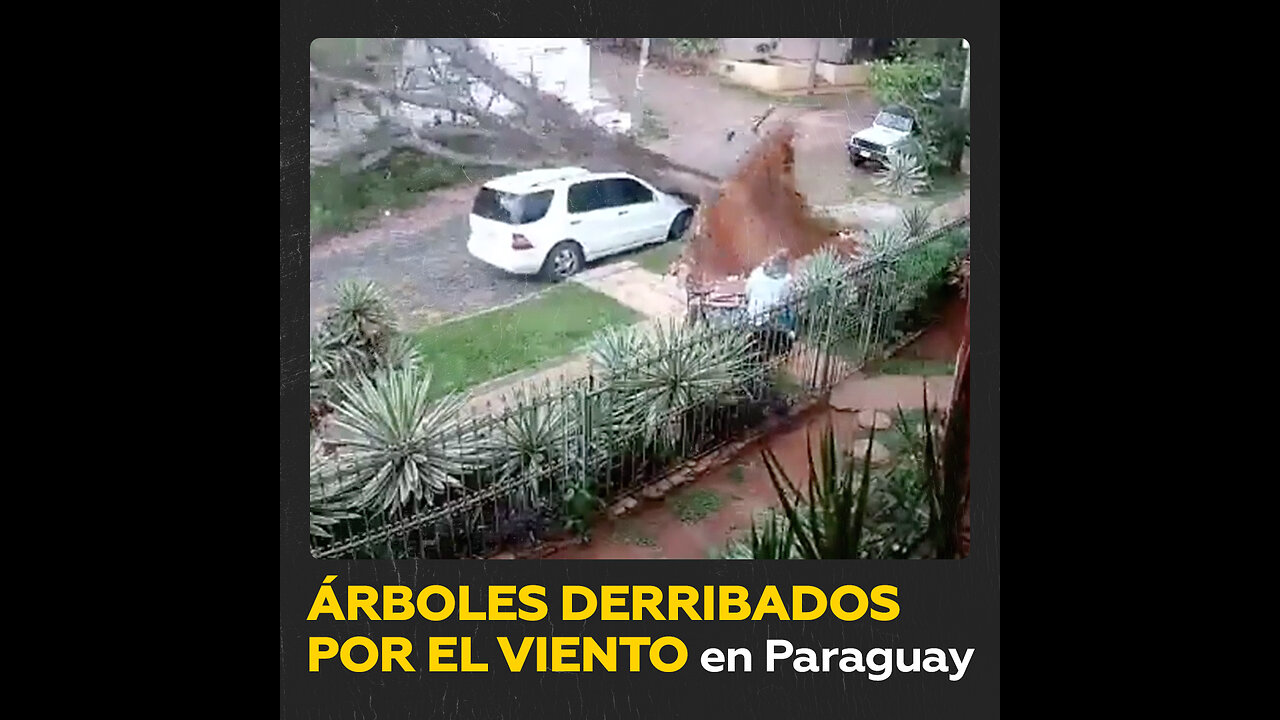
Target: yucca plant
(401,352)
(903,175)
(771,538)
(882,242)
(677,369)
(915,220)
(363,317)
(333,494)
(616,347)
(529,440)
(826,284)
(901,508)
(405,445)
(828,518)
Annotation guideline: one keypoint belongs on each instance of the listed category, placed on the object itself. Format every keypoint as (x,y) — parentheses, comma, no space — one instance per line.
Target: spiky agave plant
(679,369)
(915,220)
(771,538)
(401,352)
(827,297)
(529,440)
(363,317)
(334,494)
(903,175)
(404,445)
(882,242)
(828,518)
(825,275)
(616,347)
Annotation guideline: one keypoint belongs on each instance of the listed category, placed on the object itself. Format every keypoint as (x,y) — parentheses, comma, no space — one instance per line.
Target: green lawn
(343,200)
(558,322)
(658,258)
(912,366)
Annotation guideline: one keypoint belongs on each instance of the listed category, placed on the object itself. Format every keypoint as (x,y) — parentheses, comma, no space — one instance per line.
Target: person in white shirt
(768,286)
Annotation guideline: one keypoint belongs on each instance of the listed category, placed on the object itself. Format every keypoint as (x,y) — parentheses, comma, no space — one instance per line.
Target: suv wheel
(564,261)
(680,225)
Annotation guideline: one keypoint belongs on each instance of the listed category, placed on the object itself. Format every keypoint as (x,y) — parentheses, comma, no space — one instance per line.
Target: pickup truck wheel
(858,160)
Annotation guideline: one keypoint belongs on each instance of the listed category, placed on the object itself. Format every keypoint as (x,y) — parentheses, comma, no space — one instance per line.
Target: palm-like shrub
(363,316)
(915,220)
(617,347)
(675,369)
(529,440)
(827,295)
(771,538)
(882,243)
(906,513)
(400,352)
(903,174)
(404,445)
(827,520)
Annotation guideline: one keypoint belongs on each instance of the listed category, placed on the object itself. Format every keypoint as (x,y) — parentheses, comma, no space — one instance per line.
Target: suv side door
(592,218)
(639,212)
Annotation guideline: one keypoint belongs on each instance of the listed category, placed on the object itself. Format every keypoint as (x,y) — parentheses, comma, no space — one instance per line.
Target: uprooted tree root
(757,212)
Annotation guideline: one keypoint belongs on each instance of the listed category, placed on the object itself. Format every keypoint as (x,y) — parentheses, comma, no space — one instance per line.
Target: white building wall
(561,66)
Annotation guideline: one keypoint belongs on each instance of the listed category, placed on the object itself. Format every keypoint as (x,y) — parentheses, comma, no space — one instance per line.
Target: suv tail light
(520,242)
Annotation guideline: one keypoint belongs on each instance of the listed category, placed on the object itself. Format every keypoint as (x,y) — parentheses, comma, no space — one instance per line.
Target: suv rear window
(511,208)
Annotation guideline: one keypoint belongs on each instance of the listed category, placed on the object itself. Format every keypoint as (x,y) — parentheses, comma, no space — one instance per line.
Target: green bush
(904,81)
(923,77)
(694,47)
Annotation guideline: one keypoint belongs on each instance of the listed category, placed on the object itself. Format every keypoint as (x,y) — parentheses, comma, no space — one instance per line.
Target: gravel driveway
(428,275)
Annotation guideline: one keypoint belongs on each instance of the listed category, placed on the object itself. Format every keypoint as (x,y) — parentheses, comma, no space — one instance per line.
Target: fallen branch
(428,147)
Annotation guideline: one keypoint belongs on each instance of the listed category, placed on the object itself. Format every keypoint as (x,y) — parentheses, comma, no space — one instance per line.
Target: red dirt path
(941,341)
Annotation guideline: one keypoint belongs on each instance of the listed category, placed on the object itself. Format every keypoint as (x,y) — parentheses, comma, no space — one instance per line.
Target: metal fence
(553,458)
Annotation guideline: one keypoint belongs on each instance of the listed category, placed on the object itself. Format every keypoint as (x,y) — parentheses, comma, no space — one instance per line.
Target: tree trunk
(639,97)
(964,92)
(813,65)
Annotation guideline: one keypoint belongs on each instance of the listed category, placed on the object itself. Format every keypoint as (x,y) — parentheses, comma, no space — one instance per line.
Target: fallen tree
(544,129)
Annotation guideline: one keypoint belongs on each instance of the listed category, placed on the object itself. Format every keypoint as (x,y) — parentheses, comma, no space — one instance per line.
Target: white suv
(553,221)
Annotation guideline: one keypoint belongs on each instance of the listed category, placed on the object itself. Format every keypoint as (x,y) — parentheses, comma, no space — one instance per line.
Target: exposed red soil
(941,341)
(657,532)
(757,212)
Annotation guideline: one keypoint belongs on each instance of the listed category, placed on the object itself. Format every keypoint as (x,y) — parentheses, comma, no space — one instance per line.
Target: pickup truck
(895,128)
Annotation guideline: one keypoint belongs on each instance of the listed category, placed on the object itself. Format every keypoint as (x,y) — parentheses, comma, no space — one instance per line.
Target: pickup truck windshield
(895,122)
(511,208)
